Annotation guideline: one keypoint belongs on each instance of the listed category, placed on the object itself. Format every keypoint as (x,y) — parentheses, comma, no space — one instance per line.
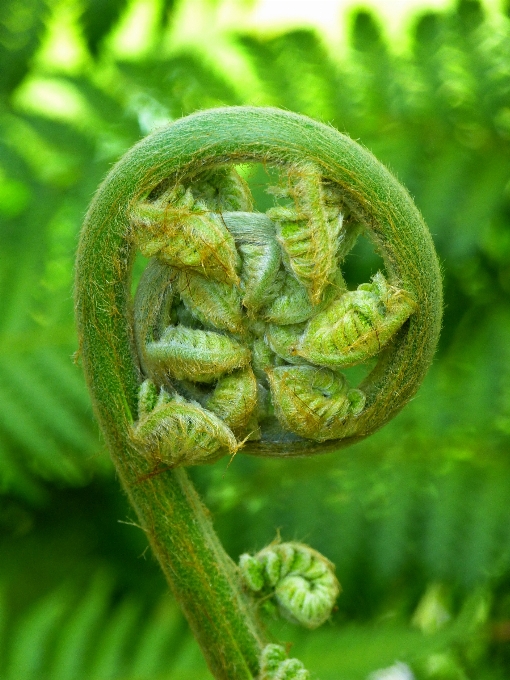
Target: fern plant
(80,630)
(453,158)
(257,306)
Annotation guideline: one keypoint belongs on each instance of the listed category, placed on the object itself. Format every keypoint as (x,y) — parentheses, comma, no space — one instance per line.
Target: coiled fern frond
(257,302)
(237,332)
(304,583)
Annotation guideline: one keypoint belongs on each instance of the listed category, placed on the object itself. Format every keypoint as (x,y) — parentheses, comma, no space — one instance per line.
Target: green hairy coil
(302,581)
(266,291)
(237,335)
(274,665)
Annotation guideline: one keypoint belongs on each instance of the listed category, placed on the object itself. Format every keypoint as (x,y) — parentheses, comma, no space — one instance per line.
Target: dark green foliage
(21,26)
(470,15)
(424,500)
(366,33)
(317,92)
(98,18)
(78,630)
(180,84)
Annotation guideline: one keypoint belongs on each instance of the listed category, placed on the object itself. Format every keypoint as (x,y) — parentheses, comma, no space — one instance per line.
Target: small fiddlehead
(302,581)
(238,330)
(274,665)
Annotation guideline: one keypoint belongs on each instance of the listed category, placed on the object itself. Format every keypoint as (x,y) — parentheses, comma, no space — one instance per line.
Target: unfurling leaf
(284,339)
(274,665)
(261,358)
(213,303)
(220,189)
(255,238)
(185,236)
(197,355)
(293,305)
(357,325)
(178,432)
(275,296)
(234,399)
(313,402)
(309,231)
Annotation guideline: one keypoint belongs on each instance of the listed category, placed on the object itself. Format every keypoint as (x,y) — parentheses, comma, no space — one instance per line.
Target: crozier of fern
(243,320)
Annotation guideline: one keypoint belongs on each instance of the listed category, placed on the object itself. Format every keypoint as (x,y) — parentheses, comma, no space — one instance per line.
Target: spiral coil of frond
(256,319)
(274,665)
(240,325)
(302,581)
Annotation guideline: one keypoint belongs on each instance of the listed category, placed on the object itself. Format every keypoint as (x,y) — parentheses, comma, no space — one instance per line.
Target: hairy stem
(199,572)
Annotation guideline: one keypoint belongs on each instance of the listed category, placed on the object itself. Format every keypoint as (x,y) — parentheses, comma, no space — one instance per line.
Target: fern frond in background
(80,631)
(420,508)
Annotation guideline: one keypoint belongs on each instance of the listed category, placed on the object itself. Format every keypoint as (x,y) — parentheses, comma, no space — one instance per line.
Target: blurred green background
(417,518)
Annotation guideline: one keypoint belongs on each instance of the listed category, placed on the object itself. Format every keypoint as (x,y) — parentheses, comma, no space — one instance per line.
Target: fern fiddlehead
(274,665)
(302,580)
(238,332)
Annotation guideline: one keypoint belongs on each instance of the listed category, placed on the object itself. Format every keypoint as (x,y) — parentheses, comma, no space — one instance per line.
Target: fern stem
(202,576)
